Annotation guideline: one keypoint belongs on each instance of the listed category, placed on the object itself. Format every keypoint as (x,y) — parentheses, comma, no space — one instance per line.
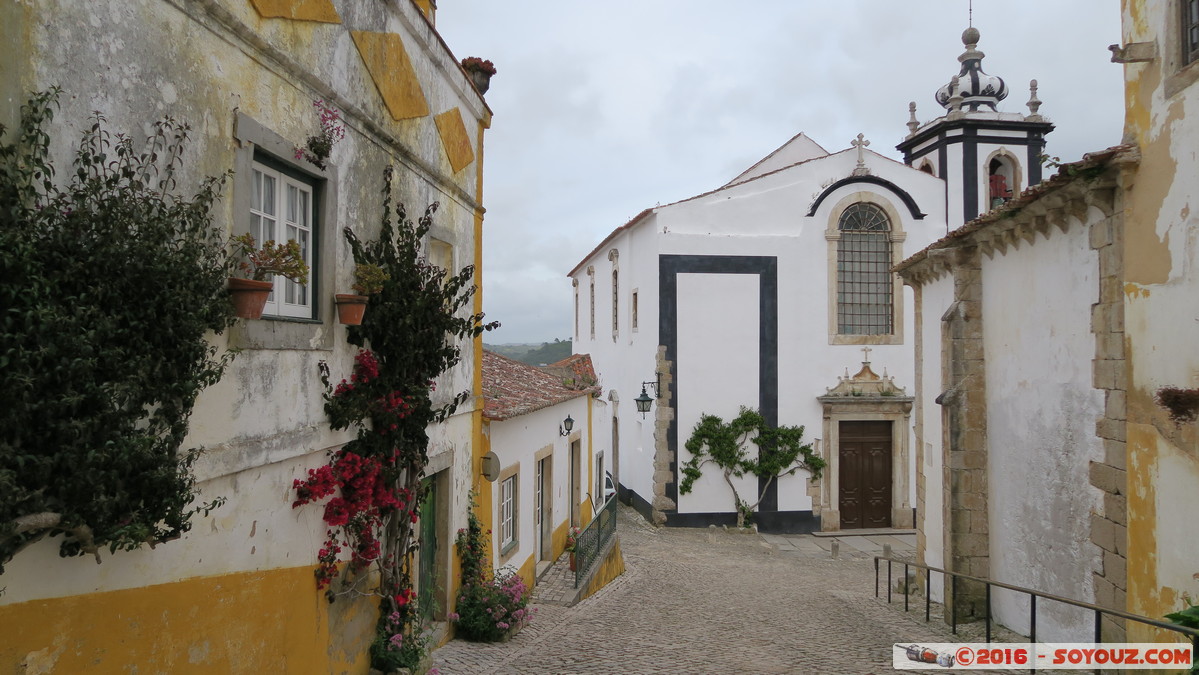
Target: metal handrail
(593,539)
(1033,595)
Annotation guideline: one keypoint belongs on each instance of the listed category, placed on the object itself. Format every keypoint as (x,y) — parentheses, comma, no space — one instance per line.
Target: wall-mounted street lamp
(644,402)
(566,426)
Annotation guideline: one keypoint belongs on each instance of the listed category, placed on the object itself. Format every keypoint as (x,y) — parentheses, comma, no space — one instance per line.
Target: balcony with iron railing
(593,541)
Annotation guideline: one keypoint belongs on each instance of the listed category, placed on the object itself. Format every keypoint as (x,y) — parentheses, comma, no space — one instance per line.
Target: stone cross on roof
(860,144)
(866,354)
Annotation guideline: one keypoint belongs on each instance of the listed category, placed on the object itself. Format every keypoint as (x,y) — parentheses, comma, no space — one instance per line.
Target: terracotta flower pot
(572,561)
(481,80)
(249,296)
(350,308)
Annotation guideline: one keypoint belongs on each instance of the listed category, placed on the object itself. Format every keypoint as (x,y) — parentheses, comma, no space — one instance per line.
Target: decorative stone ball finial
(955,97)
(970,37)
(913,123)
(1034,103)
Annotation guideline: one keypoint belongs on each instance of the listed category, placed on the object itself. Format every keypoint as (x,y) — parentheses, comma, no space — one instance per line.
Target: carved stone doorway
(866,429)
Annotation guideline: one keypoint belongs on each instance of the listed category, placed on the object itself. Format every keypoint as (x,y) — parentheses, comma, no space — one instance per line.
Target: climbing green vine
(410,335)
(109,284)
(781,452)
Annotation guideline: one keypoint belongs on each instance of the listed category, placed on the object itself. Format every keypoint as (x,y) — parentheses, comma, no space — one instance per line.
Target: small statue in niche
(1000,192)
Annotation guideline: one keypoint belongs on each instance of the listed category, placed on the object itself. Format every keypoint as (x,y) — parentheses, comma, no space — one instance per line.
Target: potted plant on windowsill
(249,292)
(479,71)
(368,280)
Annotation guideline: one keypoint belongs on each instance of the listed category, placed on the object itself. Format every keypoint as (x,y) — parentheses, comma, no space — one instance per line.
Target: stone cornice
(1060,203)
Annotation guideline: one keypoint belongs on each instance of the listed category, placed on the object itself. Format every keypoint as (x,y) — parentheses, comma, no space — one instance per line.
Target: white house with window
(546,456)
(775,292)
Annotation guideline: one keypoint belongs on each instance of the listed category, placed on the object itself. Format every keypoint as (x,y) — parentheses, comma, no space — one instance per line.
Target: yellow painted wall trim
(611,567)
(198,625)
(300,10)
(391,70)
(454,139)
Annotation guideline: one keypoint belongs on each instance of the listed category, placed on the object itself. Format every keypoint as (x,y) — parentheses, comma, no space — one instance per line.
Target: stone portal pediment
(864,385)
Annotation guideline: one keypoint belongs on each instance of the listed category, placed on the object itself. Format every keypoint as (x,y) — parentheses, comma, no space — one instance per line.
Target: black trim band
(873,180)
(766,267)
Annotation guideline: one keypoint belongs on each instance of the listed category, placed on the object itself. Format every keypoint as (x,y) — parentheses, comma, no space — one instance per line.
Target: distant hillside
(533,354)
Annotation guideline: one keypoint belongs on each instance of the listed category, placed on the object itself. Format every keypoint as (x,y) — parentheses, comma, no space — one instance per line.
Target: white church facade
(776,292)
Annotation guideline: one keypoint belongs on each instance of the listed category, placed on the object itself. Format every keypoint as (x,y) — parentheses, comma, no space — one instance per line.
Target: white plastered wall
(1041,414)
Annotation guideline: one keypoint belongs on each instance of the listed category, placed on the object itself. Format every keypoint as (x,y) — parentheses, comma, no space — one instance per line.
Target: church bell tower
(985,156)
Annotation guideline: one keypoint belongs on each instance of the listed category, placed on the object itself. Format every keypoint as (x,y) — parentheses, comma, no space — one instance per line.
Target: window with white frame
(281,209)
(508,512)
(864,279)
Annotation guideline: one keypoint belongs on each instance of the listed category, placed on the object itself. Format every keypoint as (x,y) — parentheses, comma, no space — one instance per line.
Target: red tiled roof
(1067,174)
(512,388)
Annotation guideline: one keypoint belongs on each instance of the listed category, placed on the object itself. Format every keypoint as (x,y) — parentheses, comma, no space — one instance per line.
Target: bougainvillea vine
(413,332)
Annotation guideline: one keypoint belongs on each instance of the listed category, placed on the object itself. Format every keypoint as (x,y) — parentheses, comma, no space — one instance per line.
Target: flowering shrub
(320,146)
(489,605)
(490,609)
(473,550)
(474,63)
(374,483)
(572,539)
(399,642)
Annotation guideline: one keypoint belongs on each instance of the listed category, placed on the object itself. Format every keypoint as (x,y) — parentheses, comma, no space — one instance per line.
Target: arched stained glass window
(864,271)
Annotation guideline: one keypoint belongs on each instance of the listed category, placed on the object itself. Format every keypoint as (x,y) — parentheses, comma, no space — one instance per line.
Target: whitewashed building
(544,460)
(237,593)
(771,291)
(1057,370)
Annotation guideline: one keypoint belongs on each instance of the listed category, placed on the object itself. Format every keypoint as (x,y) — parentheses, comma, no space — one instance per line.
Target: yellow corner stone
(390,68)
(454,138)
(426,7)
(300,10)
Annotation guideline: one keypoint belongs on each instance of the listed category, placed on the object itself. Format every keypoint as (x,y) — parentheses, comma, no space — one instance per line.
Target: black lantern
(643,402)
(567,425)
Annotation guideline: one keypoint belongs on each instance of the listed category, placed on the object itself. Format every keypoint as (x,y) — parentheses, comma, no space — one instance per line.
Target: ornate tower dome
(975,87)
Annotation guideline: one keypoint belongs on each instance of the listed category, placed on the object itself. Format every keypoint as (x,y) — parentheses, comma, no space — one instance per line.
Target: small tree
(781,452)
(110,285)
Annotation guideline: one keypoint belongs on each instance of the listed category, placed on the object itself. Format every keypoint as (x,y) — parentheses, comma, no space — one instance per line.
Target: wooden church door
(865,474)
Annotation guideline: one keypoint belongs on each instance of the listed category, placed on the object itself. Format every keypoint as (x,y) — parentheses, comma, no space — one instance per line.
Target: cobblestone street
(692,601)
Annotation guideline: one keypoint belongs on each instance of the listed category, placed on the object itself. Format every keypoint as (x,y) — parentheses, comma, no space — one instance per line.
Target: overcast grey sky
(602,109)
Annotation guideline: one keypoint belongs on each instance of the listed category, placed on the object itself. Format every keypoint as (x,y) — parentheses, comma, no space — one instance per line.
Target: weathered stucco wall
(1161,305)
(1041,414)
(935,298)
(519,443)
(244,74)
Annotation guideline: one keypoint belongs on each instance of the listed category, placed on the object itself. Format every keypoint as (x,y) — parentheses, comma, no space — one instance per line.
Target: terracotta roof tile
(1067,174)
(512,388)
